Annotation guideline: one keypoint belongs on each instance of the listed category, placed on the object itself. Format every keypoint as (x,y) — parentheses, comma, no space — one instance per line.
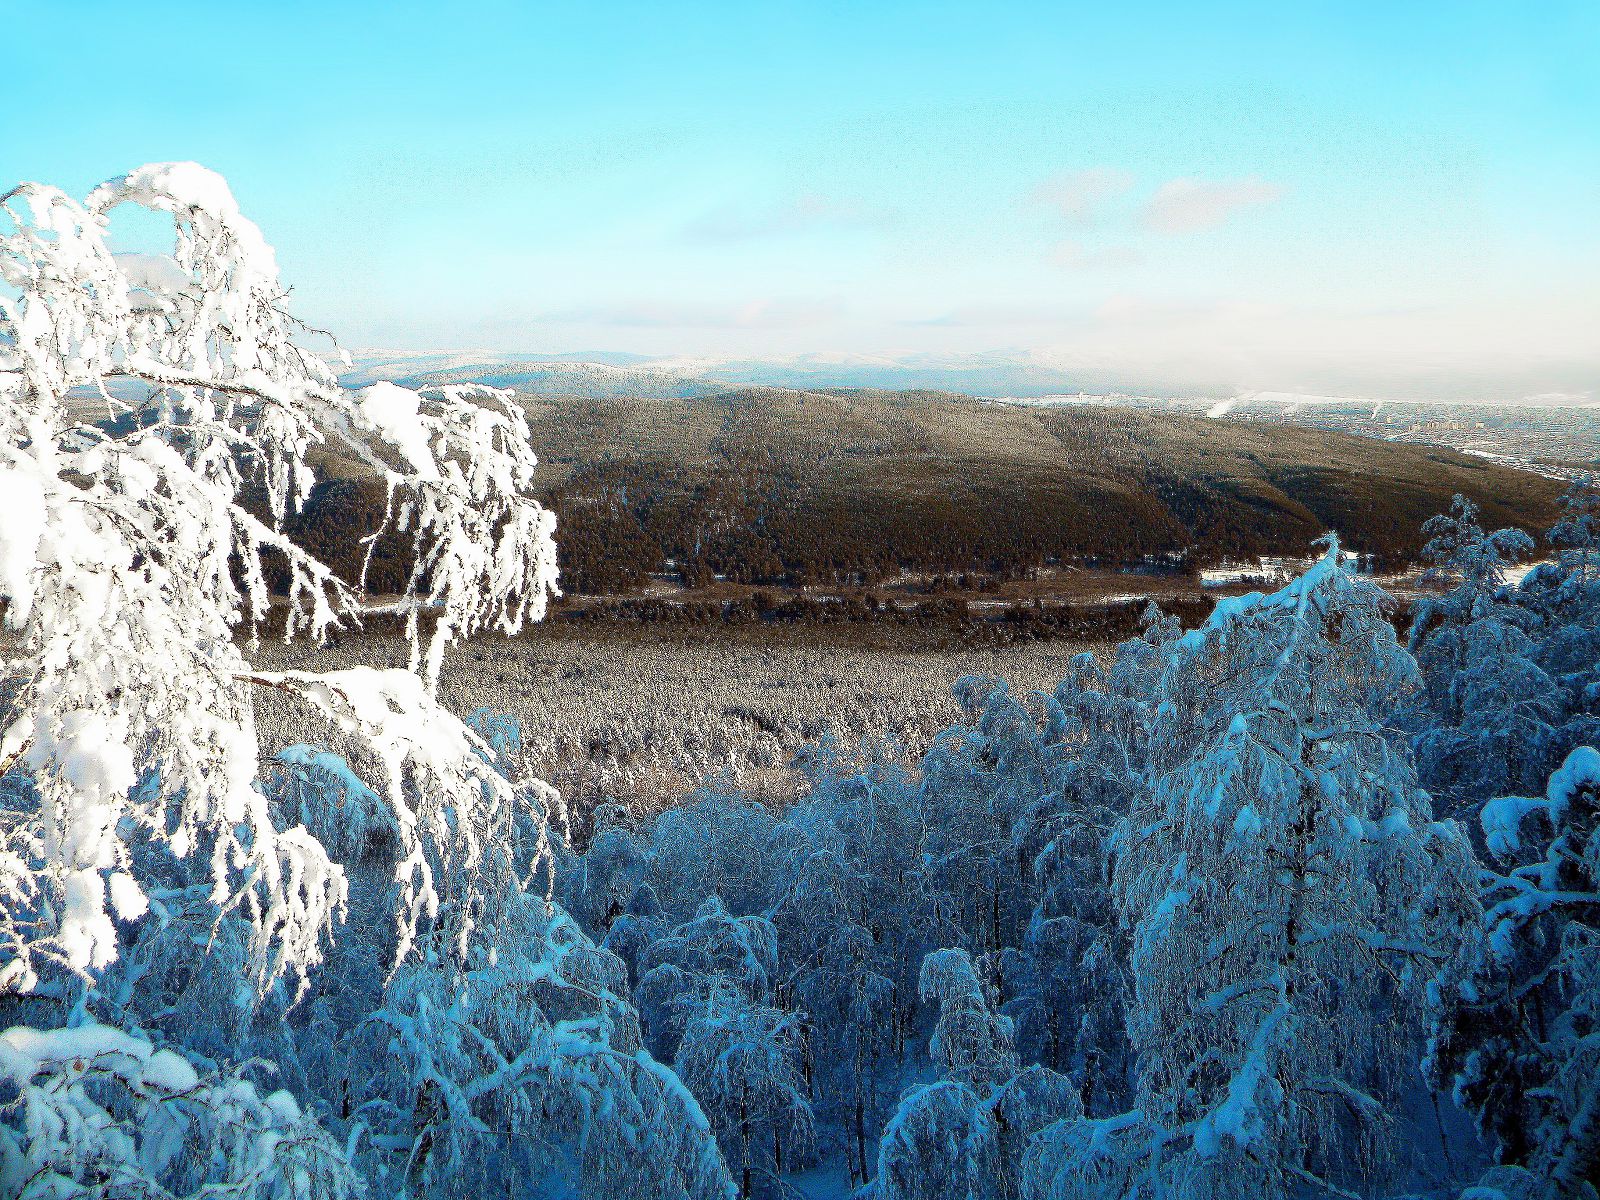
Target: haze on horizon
(1354,199)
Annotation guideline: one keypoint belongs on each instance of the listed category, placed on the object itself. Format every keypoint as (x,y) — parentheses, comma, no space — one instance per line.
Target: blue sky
(1355,198)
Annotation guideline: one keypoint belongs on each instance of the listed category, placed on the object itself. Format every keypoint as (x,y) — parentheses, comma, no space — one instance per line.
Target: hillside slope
(770,485)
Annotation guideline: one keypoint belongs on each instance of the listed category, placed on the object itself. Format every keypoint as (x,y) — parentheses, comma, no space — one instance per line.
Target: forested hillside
(849,487)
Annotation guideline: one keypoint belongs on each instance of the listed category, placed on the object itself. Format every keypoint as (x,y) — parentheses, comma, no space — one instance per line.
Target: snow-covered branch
(131,563)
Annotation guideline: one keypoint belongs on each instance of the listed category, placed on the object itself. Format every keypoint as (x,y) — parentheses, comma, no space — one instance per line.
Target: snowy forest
(1283,905)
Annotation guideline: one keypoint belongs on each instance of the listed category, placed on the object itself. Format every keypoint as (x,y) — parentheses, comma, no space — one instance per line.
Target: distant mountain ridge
(1022,375)
(534,375)
(623,376)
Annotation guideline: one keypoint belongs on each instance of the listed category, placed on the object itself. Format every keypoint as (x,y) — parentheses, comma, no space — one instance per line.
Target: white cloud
(1075,256)
(1079,196)
(806,213)
(1189,205)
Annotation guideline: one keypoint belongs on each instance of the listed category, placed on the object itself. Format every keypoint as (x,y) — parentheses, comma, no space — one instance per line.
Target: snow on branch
(156,427)
(451,808)
(105,1113)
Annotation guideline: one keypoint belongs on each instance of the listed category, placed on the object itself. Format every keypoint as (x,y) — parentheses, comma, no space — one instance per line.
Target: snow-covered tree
(942,1140)
(524,1073)
(1032,1100)
(742,1061)
(1576,536)
(853,909)
(1490,704)
(717,843)
(1468,558)
(983,783)
(636,929)
(1067,984)
(850,993)
(606,876)
(972,1042)
(1291,899)
(963,1136)
(156,429)
(941,1144)
(1525,1048)
(129,561)
(715,944)
(100,1112)
(1561,599)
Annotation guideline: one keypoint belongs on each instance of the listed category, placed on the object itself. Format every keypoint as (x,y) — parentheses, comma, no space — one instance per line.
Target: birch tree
(157,426)
(1491,705)
(1293,907)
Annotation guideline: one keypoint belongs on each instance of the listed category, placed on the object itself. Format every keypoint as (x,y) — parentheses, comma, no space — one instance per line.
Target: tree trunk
(861,1136)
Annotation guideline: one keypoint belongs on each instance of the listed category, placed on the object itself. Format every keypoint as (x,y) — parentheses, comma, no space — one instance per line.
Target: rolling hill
(847,486)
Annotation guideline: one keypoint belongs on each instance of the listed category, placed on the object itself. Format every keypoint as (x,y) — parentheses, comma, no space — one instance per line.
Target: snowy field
(646,720)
